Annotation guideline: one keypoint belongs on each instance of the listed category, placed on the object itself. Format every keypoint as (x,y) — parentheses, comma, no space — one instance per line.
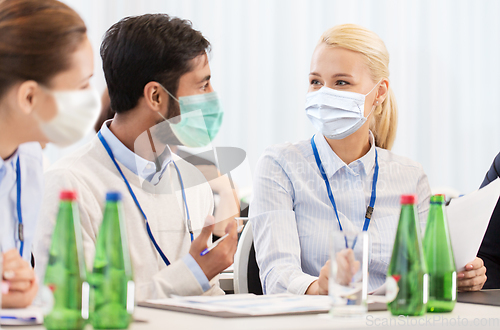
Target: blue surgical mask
(336,114)
(201,118)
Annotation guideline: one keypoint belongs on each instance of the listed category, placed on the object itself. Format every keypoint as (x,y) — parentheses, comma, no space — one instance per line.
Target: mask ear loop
(374,106)
(162,116)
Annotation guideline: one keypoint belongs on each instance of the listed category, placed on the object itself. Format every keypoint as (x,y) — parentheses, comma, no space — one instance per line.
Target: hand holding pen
(221,255)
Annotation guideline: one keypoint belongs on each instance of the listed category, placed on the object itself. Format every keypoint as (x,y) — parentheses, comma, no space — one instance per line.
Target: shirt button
(149,166)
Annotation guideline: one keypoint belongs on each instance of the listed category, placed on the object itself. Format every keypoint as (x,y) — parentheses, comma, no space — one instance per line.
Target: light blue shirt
(30,160)
(293,218)
(146,170)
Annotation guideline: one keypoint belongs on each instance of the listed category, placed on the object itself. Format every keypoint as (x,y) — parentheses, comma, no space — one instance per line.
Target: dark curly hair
(141,49)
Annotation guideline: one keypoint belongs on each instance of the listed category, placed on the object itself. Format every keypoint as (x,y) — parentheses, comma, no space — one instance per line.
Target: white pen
(211,247)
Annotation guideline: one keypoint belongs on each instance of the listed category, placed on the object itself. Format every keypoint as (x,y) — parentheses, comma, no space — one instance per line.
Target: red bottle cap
(409,199)
(68,195)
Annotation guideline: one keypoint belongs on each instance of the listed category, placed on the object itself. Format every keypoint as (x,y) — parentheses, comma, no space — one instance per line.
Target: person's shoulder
(288,150)
(32,150)
(392,158)
(86,157)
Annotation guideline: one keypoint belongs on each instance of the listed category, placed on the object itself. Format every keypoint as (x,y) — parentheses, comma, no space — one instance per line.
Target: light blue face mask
(201,118)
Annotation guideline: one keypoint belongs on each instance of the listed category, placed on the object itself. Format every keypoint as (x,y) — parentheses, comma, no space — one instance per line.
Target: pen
(211,247)
(8,317)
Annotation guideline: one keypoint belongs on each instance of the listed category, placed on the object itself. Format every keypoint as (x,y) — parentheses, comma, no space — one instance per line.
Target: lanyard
(20,227)
(369,209)
(150,233)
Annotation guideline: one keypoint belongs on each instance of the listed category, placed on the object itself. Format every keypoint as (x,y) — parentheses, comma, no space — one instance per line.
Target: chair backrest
(246,270)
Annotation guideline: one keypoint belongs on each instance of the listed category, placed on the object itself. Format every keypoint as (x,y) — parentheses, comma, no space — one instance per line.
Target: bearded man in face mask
(157,72)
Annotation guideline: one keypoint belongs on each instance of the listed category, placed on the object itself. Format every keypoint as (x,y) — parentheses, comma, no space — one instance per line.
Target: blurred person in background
(45,66)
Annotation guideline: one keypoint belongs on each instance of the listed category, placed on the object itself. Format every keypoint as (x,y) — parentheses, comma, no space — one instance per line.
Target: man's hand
(473,278)
(21,281)
(222,256)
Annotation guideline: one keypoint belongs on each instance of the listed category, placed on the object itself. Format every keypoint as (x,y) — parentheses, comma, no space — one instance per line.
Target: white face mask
(77,112)
(336,114)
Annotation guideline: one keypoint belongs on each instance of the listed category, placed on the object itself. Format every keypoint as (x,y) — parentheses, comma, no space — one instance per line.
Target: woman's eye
(341,83)
(315,82)
(204,87)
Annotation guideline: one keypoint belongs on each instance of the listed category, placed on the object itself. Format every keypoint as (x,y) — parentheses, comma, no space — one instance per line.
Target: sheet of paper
(468,219)
(251,304)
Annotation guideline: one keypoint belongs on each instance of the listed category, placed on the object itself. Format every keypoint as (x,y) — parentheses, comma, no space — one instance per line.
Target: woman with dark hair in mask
(45,66)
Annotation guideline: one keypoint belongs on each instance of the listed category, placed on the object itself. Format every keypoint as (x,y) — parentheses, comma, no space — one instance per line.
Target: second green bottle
(112,285)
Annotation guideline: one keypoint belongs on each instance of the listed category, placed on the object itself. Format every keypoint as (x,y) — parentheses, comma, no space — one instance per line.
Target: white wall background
(445,71)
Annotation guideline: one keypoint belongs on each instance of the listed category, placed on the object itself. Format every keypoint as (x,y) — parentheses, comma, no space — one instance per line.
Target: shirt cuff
(300,284)
(197,272)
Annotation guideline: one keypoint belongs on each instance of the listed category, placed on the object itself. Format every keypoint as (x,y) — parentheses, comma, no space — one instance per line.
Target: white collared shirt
(30,160)
(293,217)
(141,167)
(146,170)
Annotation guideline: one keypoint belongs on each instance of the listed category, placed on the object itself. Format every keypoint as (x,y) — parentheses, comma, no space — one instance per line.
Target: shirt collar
(141,167)
(332,163)
(9,162)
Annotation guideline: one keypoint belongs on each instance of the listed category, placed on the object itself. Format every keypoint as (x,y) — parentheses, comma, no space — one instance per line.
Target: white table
(160,319)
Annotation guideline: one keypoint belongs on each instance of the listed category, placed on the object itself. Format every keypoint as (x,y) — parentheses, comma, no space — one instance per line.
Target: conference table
(464,316)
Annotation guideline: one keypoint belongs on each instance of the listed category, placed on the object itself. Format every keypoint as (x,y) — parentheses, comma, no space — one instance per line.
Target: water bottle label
(392,288)
(130,297)
(426,288)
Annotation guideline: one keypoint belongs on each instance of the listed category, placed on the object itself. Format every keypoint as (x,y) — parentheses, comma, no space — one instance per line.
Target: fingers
(17,272)
(476,264)
(474,276)
(19,286)
(18,299)
(11,254)
(20,274)
(4,286)
(232,228)
(343,273)
(12,261)
(472,273)
(471,284)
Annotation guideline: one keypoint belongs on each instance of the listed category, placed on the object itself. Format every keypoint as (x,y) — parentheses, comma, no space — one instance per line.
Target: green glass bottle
(407,270)
(66,273)
(439,259)
(112,285)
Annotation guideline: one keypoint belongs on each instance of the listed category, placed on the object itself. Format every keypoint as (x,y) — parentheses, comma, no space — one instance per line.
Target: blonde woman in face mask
(352,106)
(45,66)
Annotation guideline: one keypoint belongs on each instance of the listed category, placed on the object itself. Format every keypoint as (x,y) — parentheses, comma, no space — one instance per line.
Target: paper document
(245,304)
(468,219)
(22,316)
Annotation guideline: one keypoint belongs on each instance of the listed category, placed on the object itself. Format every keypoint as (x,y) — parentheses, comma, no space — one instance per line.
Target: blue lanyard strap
(369,209)
(20,227)
(148,228)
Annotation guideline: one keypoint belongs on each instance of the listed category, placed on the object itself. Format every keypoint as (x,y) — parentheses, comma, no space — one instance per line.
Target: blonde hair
(361,40)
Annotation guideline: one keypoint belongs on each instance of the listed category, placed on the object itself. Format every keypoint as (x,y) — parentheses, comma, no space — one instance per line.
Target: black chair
(246,270)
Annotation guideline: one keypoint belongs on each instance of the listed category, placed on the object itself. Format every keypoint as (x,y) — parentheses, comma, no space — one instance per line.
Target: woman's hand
(473,278)
(324,276)
(21,281)
(347,267)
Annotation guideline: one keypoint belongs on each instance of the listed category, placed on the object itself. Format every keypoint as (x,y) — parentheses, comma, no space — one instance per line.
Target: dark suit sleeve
(490,247)
(493,172)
